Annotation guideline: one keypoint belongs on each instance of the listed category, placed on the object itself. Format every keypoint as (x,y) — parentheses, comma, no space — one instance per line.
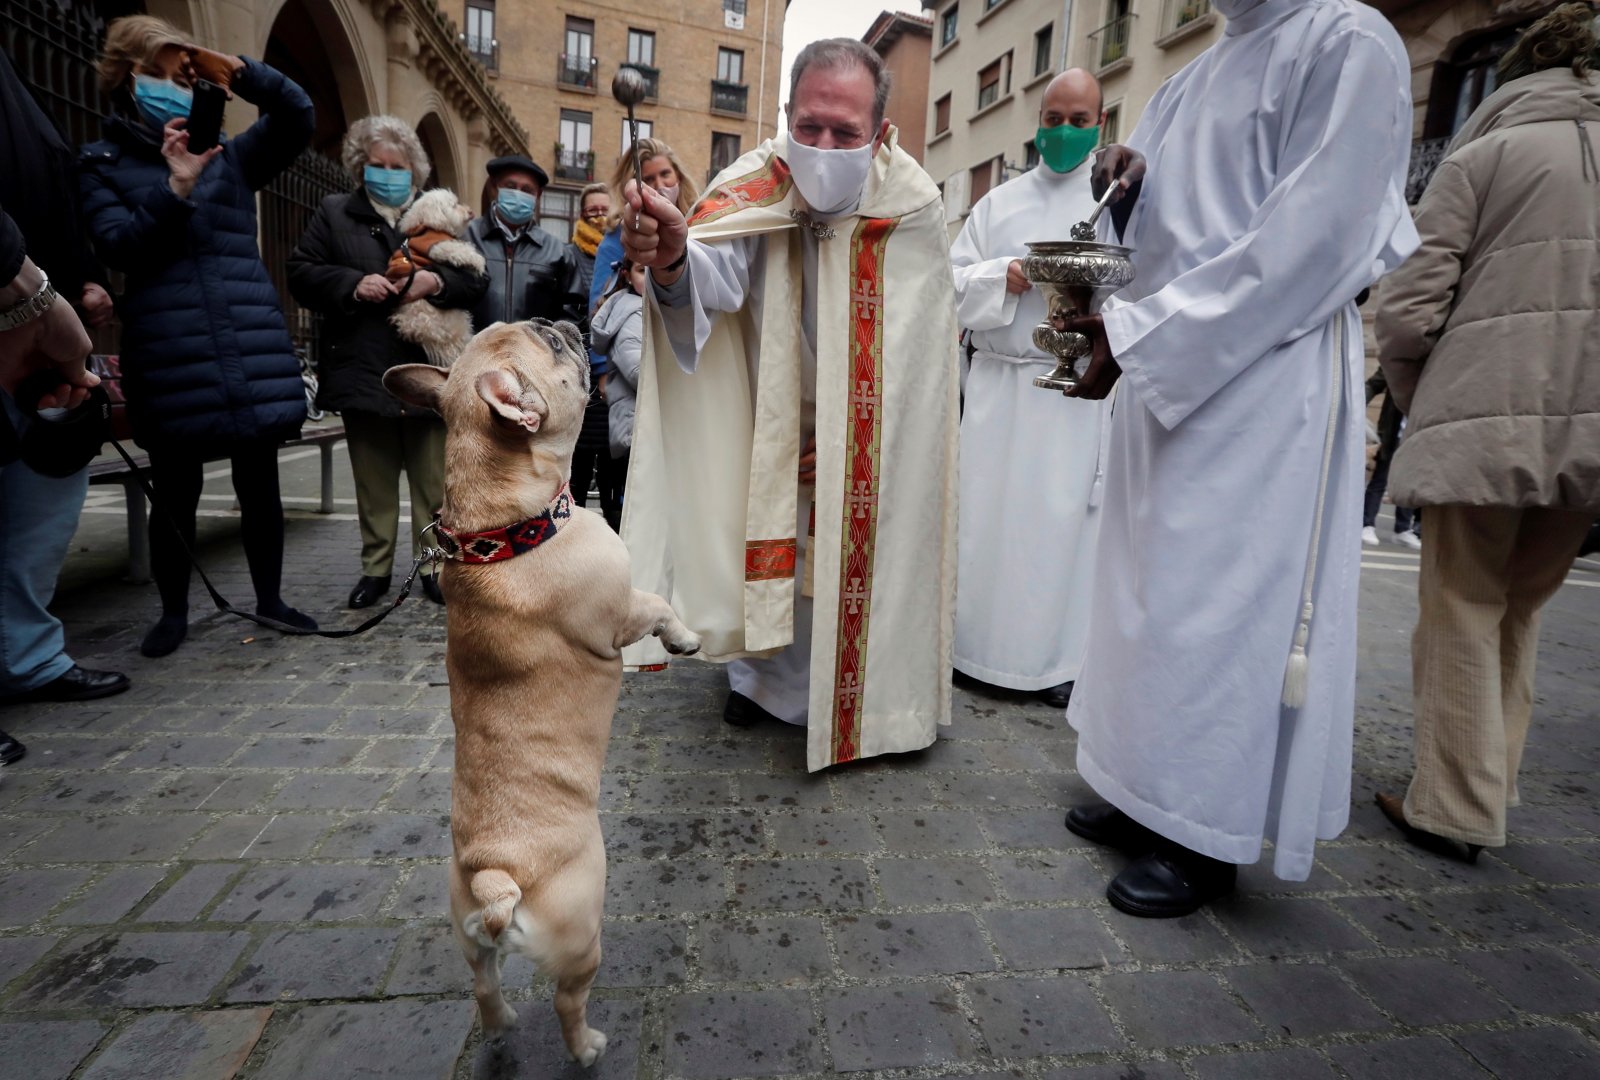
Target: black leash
(427,555)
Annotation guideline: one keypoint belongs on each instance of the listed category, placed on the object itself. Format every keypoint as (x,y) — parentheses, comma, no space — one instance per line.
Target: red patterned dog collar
(508,541)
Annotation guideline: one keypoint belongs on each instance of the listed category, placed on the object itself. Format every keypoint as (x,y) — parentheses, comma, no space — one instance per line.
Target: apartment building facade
(905,43)
(712,68)
(1133,46)
(991,60)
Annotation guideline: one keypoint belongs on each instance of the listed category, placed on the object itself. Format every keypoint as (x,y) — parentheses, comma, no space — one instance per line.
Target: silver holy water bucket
(1075,277)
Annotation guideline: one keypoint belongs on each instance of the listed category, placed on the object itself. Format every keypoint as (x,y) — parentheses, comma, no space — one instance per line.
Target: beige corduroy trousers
(1486,572)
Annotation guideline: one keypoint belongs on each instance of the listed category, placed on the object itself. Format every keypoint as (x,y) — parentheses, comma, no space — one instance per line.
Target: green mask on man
(1064,147)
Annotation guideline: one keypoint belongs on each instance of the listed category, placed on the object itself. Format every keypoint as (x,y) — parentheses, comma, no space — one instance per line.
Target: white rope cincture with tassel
(1297,675)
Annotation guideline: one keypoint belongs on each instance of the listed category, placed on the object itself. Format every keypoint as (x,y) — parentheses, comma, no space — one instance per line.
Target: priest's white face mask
(833,135)
(830,181)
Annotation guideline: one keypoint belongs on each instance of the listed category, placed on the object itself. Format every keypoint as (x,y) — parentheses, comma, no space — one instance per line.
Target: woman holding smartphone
(208,367)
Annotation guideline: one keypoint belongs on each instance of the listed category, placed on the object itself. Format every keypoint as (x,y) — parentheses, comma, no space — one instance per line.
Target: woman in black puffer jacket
(339,268)
(208,367)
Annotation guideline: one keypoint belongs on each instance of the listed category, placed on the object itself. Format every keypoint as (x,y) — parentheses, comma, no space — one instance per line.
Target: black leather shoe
(1169,883)
(740,711)
(1056,697)
(11,750)
(430,588)
(367,591)
(1105,824)
(1394,808)
(76,684)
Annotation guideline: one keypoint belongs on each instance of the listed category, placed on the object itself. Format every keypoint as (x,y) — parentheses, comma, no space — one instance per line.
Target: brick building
(906,44)
(713,67)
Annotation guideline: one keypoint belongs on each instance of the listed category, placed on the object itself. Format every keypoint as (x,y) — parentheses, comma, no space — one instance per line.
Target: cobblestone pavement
(238,869)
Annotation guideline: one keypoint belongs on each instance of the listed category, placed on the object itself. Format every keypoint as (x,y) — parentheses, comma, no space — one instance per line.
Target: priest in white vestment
(1031,461)
(1216,706)
(792,484)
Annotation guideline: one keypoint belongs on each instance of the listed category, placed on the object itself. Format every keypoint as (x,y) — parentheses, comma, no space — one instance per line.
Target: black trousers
(1388,442)
(609,474)
(178,476)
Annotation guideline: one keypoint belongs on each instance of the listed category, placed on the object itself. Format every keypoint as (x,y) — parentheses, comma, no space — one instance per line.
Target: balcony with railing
(484,50)
(1181,19)
(652,79)
(574,164)
(730,98)
(576,71)
(1110,43)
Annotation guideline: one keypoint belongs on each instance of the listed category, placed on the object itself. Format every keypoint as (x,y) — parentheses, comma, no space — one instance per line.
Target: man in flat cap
(531,273)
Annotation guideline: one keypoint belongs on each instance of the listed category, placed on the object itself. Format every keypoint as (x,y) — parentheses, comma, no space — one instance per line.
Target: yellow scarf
(587,237)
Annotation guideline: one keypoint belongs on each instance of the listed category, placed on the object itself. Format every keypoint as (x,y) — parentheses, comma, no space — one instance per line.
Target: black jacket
(346,241)
(534,278)
(206,355)
(39,187)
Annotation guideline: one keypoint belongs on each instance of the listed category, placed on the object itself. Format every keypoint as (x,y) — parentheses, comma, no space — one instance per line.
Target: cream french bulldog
(539,607)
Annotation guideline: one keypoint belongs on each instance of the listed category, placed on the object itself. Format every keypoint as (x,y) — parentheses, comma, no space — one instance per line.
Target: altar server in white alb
(1218,695)
(1031,461)
(794,451)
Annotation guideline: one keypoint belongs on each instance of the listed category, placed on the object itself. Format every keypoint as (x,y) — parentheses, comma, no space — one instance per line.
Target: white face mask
(669,193)
(830,181)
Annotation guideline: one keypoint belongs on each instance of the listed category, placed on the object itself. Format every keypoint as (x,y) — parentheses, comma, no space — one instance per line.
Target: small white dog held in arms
(433,229)
(540,606)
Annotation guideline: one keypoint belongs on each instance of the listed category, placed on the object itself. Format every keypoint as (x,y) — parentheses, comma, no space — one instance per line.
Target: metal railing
(287,205)
(485,51)
(729,97)
(1426,155)
(1111,40)
(1176,14)
(652,79)
(576,71)
(574,164)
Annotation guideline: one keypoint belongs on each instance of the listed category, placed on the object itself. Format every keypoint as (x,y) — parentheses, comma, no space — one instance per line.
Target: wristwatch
(27,310)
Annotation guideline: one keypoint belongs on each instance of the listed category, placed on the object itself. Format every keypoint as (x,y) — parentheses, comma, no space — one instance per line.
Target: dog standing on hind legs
(541,605)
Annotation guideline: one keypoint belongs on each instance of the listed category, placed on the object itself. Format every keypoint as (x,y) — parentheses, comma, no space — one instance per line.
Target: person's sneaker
(1408,539)
(1369,536)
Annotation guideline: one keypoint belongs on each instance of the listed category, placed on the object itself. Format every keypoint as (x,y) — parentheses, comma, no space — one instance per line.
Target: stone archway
(310,43)
(447,169)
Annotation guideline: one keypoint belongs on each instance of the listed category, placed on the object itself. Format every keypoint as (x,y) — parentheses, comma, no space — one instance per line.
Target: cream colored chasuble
(713,504)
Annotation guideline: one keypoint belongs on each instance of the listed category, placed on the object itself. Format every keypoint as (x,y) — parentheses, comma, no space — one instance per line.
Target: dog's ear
(416,384)
(525,408)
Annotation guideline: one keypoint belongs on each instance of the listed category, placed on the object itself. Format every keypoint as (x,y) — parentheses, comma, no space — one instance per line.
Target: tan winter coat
(1490,333)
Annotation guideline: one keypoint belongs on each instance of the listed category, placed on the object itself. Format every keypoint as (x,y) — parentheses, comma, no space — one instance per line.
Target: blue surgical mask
(514,207)
(391,187)
(161,100)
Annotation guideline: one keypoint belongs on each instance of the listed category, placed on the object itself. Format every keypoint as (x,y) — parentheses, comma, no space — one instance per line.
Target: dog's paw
(680,643)
(497,1022)
(591,1045)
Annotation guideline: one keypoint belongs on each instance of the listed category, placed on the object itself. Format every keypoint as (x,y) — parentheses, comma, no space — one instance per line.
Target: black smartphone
(205,116)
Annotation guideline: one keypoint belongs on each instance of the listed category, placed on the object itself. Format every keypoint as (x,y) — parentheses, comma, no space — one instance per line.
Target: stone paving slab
(238,869)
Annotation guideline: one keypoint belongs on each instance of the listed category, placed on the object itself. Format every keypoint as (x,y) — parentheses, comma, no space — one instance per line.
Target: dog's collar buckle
(508,541)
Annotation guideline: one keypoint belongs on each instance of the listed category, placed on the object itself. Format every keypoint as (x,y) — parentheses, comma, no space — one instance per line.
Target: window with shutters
(989,85)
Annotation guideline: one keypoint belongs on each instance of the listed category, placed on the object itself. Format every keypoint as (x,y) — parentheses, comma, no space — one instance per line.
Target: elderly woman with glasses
(339,269)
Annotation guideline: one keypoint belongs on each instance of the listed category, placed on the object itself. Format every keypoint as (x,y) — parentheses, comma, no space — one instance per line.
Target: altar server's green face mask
(1064,147)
